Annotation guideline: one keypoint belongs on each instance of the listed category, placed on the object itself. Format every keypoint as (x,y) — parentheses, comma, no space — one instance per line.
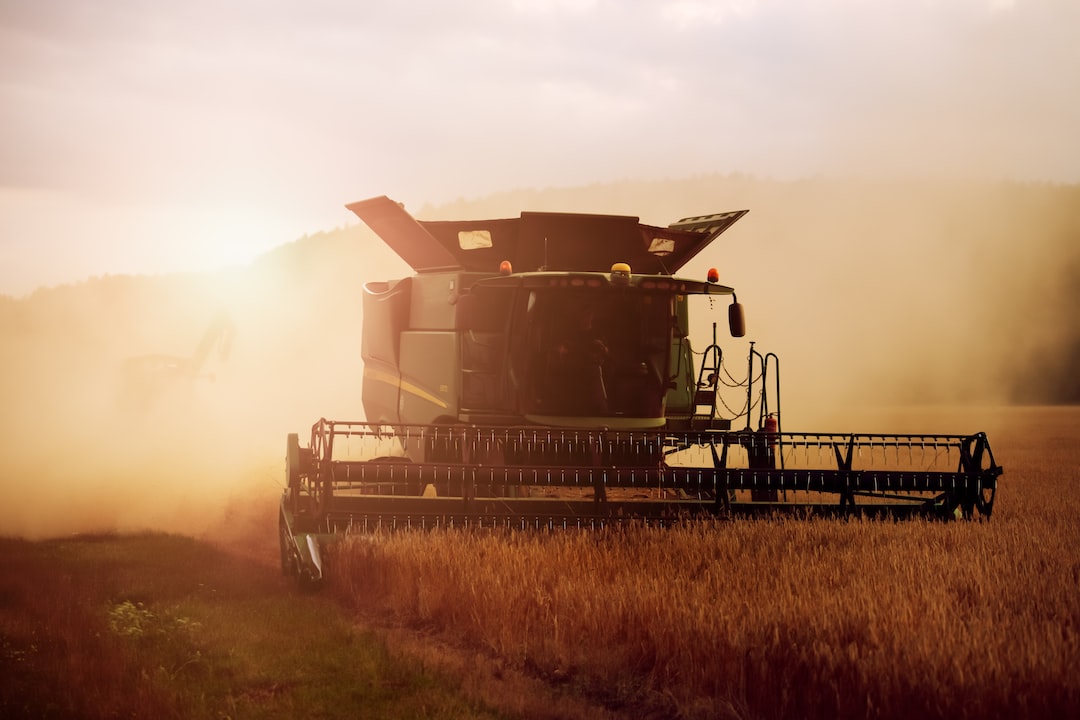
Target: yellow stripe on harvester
(404,386)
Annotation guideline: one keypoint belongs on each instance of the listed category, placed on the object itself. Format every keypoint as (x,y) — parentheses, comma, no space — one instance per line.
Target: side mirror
(736,319)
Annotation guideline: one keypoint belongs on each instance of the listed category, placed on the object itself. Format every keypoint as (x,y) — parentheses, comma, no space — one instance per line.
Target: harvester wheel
(977,457)
(984,496)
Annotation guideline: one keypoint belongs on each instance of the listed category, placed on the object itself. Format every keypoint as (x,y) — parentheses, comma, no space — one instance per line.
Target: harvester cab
(538,371)
(549,319)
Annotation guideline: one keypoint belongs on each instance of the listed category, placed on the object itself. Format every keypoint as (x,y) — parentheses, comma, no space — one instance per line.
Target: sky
(146,137)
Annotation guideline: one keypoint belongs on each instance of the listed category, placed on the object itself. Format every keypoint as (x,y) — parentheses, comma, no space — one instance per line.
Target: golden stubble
(773,617)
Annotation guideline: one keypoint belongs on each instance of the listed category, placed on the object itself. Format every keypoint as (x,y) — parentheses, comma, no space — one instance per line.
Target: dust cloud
(872,295)
(105,430)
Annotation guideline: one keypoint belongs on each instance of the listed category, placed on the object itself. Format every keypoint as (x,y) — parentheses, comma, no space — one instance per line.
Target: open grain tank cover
(541,241)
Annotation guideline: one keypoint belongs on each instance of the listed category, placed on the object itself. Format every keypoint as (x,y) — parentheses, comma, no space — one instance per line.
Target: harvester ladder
(707,379)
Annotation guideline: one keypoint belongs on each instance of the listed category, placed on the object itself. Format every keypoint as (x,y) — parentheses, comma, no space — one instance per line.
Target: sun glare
(229,239)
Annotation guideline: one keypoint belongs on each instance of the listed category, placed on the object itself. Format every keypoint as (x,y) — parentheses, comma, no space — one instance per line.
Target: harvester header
(539,372)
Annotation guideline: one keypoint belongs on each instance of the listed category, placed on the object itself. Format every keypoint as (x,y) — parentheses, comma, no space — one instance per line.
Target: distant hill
(875,293)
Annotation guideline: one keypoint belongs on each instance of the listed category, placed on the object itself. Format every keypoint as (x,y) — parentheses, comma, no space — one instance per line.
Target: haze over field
(987,319)
(912,171)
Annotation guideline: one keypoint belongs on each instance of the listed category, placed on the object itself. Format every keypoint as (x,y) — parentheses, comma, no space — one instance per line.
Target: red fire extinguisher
(762,454)
(772,426)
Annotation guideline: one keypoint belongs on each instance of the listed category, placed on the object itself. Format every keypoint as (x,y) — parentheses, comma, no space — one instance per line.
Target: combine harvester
(537,372)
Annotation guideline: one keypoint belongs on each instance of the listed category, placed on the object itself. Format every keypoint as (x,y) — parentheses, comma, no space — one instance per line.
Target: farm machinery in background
(145,378)
(537,372)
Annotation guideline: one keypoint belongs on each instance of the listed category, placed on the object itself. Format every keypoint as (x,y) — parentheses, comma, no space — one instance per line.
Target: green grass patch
(165,626)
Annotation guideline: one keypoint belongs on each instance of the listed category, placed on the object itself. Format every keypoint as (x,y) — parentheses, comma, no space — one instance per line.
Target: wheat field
(773,617)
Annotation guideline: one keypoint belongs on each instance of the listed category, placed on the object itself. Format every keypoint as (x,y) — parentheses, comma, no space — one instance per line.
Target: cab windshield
(597,352)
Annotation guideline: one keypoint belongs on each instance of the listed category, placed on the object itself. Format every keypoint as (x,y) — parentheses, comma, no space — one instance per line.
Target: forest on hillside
(870,293)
